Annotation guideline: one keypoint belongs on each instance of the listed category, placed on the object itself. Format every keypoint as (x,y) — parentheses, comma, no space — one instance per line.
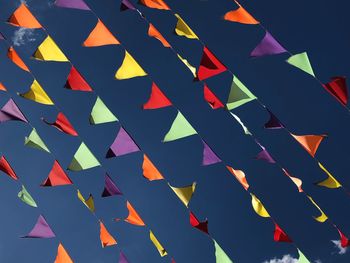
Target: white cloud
(284,259)
(22,36)
(337,244)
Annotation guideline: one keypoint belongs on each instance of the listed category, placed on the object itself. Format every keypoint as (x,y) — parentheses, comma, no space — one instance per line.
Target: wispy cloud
(22,36)
(284,259)
(341,249)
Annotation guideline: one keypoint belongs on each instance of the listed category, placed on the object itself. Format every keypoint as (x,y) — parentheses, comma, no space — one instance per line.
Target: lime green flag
(34,141)
(301,61)
(179,129)
(239,94)
(101,114)
(220,255)
(83,159)
(302,258)
(26,197)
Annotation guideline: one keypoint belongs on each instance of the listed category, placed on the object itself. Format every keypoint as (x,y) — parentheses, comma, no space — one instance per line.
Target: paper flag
(62,124)
(180,128)
(240,176)
(201,226)
(22,17)
(309,142)
(184,193)
(2,36)
(100,36)
(302,258)
(239,94)
(101,114)
(26,197)
(133,217)
(105,236)
(182,29)
(122,258)
(11,112)
(157,244)
(34,141)
(280,236)
(40,230)
(129,68)
(188,65)
(16,59)
(301,61)
(153,32)
(273,122)
(75,81)
(83,159)
(330,182)
(213,101)
(344,241)
(323,217)
(57,176)
(62,255)
(209,157)
(76,4)
(295,180)
(6,168)
(2,87)
(157,4)
(210,65)
(89,203)
(49,51)
(268,46)
(220,255)
(123,144)
(37,93)
(245,129)
(149,171)
(157,99)
(258,207)
(110,188)
(338,88)
(240,15)
(265,156)
(127,5)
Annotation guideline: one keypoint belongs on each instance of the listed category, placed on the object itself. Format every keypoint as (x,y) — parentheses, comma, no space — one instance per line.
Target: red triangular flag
(57,176)
(210,65)
(202,226)
(63,124)
(280,236)
(75,81)
(337,87)
(344,241)
(211,98)
(6,168)
(157,99)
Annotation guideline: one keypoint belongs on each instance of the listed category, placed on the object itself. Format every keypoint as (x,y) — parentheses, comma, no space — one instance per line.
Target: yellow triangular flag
(184,193)
(49,51)
(129,68)
(157,244)
(258,207)
(89,203)
(182,29)
(37,94)
(323,217)
(330,182)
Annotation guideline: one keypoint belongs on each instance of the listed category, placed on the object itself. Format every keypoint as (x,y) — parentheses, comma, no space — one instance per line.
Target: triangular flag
(101,114)
(149,171)
(280,236)
(213,101)
(40,230)
(330,182)
(62,255)
(295,180)
(202,226)
(258,207)
(49,51)
(100,36)
(240,15)
(127,5)
(268,46)
(37,93)
(153,32)
(26,197)
(240,176)
(239,94)
(34,141)
(301,61)
(220,255)
(209,156)
(302,258)
(2,87)
(89,203)
(11,112)
(16,59)
(184,193)
(83,159)
(122,258)
(309,142)
(62,124)
(157,99)
(157,244)
(6,168)
(265,156)
(123,144)
(2,36)
(321,218)
(22,17)
(210,65)
(75,81)
(157,4)
(273,122)
(57,176)
(245,129)
(188,65)
(180,128)
(110,188)
(105,237)
(344,241)
(129,68)
(182,29)
(76,4)
(133,217)
(338,88)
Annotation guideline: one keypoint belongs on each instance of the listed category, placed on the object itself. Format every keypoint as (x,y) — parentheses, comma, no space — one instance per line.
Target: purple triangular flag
(11,112)
(1,36)
(122,258)
(76,4)
(123,144)
(265,156)
(268,46)
(127,5)
(274,122)
(110,187)
(40,230)
(209,157)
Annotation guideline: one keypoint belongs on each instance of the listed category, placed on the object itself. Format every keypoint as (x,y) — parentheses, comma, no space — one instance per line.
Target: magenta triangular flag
(40,230)
(11,112)
(76,4)
(123,144)
(209,157)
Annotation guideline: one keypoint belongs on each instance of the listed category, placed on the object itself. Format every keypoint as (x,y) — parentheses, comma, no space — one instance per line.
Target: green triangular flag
(83,159)
(220,255)
(301,61)
(26,197)
(239,94)
(34,140)
(302,258)
(179,129)
(101,114)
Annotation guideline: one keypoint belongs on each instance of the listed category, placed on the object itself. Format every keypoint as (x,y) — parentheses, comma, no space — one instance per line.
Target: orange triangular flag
(16,59)
(100,36)
(149,170)
(153,32)
(240,15)
(133,217)
(157,4)
(309,142)
(62,255)
(24,18)
(105,236)
(2,87)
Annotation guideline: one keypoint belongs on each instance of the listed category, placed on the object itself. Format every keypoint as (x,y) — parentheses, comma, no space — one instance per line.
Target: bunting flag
(62,255)
(149,171)
(83,159)
(210,65)
(75,81)
(153,32)
(301,61)
(258,207)
(302,258)
(122,258)
(344,241)
(100,36)
(273,122)
(213,101)
(40,230)
(89,203)
(2,36)
(105,237)
(240,176)
(295,180)
(123,144)
(129,68)
(6,168)
(280,236)
(157,244)
(62,124)
(182,29)
(239,94)
(184,193)
(34,141)
(16,59)
(26,197)
(157,99)
(245,129)
(309,142)
(75,4)
(240,15)
(37,93)
(157,4)
(57,176)
(110,188)
(22,17)
(2,87)
(133,217)
(127,5)
(330,182)
(338,88)
(188,65)
(180,128)
(101,114)
(201,226)
(265,156)
(49,51)
(268,46)
(220,255)
(209,157)
(321,218)
(11,112)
